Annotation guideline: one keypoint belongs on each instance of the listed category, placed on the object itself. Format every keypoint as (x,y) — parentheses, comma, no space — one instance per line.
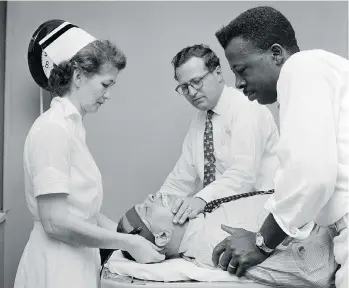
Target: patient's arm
(104,222)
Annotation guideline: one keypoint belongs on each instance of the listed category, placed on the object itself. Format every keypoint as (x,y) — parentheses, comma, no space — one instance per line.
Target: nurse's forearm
(76,231)
(105,222)
(272,233)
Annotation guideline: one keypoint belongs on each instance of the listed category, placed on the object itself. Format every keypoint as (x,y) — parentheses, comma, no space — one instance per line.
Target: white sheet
(169,271)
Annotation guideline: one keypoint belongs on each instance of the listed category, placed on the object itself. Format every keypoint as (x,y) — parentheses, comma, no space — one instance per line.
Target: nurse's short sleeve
(49,152)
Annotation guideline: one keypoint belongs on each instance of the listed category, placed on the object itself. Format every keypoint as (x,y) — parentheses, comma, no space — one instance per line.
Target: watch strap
(264,248)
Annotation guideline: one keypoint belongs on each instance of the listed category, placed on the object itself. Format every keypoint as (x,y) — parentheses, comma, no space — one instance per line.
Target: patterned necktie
(209,158)
(213,205)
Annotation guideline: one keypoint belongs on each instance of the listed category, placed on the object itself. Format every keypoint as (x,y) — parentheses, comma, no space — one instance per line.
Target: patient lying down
(300,263)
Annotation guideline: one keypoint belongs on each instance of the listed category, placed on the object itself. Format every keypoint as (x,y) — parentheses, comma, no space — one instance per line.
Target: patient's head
(154,217)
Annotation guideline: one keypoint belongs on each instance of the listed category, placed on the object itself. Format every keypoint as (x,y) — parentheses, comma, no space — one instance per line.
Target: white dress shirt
(312,180)
(244,136)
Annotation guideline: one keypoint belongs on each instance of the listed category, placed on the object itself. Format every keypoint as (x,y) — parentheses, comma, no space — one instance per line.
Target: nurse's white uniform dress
(57,160)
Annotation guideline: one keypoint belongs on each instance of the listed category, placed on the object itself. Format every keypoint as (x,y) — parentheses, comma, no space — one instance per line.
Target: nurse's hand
(143,251)
(187,207)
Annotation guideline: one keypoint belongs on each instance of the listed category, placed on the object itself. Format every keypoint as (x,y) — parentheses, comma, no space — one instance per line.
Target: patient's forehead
(127,227)
(170,198)
(160,200)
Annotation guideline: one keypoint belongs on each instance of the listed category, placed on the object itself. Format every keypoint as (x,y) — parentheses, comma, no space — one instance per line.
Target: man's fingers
(229,229)
(180,212)
(217,251)
(233,265)
(177,205)
(241,269)
(193,214)
(244,264)
(184,216)
(225,259)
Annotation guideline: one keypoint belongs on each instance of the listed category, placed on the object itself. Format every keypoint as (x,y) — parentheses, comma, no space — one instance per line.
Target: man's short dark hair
(202,51)
(263,26)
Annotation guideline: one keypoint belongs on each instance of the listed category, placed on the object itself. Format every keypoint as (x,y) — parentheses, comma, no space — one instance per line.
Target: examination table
(122,273)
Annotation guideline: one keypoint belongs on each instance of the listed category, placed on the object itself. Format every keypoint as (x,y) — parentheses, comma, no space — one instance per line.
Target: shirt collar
(67,106)
(194,226)
(223,104)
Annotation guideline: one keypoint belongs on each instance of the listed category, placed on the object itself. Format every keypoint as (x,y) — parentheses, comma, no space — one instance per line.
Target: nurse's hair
(202,51)
(263,26)
(90,60)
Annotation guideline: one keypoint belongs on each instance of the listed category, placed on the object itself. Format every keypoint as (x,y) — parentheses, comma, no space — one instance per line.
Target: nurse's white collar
(68,107)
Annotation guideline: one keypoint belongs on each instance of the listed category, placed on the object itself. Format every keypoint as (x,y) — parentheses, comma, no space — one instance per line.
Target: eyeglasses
(196,83)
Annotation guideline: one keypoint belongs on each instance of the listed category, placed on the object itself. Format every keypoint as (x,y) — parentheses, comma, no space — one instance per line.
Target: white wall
(135,138)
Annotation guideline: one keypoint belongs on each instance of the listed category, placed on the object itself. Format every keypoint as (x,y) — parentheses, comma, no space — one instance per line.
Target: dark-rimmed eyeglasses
(196,83)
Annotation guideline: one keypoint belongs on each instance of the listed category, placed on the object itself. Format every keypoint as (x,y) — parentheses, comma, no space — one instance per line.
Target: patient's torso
(303,263)
(247,213)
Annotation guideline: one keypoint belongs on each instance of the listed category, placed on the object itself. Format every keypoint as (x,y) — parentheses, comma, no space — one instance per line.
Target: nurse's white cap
(64,42)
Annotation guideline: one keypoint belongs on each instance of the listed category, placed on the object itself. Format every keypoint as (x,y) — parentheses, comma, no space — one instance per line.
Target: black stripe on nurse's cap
(65,41)
(136,222)
(53,42)
(54,36)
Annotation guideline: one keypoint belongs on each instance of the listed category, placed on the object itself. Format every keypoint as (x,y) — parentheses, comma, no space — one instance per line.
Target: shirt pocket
(222,148)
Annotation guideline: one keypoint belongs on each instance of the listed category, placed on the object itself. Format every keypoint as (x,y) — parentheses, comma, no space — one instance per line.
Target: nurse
(63,185)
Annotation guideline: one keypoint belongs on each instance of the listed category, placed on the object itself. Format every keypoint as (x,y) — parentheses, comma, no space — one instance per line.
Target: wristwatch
(261,244)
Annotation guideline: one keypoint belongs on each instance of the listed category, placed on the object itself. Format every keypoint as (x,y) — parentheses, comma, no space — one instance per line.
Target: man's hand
(238,252)
(187,207)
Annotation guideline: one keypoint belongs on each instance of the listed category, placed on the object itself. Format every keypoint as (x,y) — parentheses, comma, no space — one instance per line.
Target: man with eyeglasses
(229,146)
